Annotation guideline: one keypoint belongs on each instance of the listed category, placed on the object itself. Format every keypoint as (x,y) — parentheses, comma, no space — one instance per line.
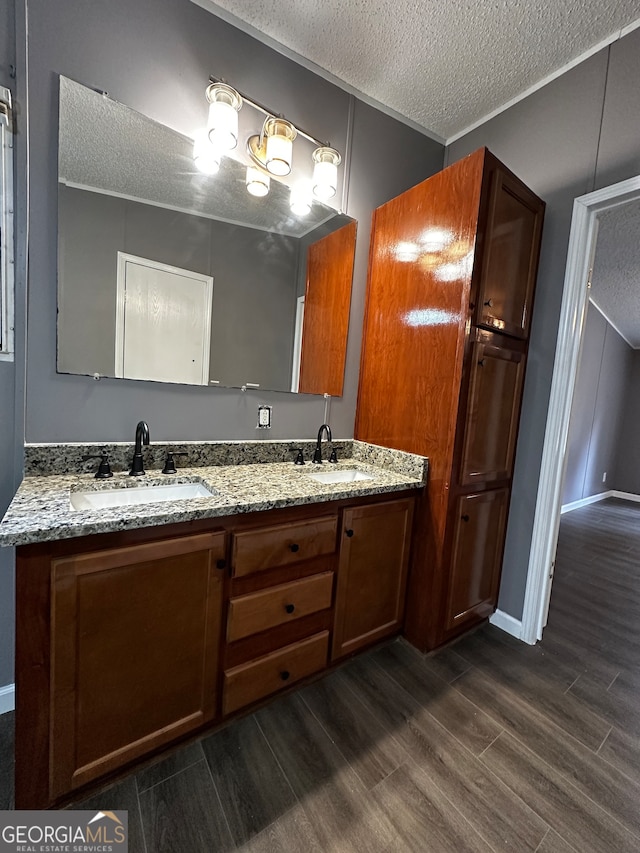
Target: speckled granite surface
(41,510)
(45,459)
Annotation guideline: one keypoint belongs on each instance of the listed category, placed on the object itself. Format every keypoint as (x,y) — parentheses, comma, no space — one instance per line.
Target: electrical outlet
(604,477)
(264,417)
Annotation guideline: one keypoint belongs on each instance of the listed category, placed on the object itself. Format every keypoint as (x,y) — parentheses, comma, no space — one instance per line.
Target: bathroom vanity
(140,625)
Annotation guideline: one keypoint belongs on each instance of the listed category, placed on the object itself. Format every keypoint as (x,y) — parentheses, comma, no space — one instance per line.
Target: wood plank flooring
(488,745)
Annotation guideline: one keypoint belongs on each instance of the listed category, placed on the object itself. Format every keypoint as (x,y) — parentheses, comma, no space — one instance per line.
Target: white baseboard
(7,698)
(625,496)
(586,501)
(507,623)
(612,493)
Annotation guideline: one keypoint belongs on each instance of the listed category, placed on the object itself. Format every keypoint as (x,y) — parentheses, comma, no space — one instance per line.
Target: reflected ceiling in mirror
(168,274)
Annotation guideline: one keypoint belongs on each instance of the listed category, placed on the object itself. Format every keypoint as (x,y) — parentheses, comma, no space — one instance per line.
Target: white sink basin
(342,475)
(104,498)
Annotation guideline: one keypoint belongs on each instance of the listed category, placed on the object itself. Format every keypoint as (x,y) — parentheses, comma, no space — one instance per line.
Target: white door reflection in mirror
(163,322)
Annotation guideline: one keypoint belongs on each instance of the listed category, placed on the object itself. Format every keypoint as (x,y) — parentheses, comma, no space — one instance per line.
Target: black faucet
(317,453)
(142,437)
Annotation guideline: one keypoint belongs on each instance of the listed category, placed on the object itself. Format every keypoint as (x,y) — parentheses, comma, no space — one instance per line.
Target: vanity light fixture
(300,198)
(222,126)
(257,181)
(280,135)
(205,155)
(325,172)
(270,150)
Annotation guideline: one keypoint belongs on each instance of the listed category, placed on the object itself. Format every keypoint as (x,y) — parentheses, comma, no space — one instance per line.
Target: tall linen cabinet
(452,270)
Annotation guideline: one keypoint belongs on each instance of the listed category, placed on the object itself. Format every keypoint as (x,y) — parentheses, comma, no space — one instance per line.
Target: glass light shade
(257,181)
(325,172)
(205,156)
(279,151)
(300,199)
(222,125)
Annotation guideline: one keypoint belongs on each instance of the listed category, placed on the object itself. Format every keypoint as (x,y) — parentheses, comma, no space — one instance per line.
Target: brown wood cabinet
(135,638)
(251,681)
(372,574)
(273,636)
(478,524)
(496,373)
(281,545)
(326,312)
(453,263)
(128,641)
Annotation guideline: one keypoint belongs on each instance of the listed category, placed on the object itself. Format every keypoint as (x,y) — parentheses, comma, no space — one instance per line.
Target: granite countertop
(41,510)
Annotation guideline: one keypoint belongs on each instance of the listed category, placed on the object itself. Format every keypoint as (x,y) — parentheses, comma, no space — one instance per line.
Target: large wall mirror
(170,275)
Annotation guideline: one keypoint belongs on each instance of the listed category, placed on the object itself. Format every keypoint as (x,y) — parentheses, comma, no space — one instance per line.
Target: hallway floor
(489,745)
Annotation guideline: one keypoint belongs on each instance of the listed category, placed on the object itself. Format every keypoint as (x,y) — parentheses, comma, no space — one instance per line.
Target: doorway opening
(582,242)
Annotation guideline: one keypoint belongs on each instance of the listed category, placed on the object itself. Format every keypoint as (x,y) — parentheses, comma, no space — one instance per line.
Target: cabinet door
(510,259)
(491,427)
(135,637)
(372,574)
(476,559)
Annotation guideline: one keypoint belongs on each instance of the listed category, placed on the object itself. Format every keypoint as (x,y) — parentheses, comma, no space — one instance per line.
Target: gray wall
(156,56)
(7,405)
(254,284)
(577,134)
(627,469)
(603,387)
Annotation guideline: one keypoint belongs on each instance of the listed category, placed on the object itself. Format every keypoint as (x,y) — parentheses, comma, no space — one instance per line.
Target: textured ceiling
(615,285)
(443,65)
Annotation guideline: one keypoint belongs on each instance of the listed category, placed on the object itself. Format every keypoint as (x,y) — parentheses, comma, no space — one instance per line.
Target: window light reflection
(435,239)
(429,317)
(406,252)
(456,269)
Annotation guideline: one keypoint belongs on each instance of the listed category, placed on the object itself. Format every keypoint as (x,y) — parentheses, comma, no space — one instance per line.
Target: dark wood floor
(489,745)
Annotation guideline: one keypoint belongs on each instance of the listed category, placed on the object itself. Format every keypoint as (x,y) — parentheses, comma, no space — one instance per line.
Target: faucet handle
(299,460)
(170,463)
(104,469)
(334,455)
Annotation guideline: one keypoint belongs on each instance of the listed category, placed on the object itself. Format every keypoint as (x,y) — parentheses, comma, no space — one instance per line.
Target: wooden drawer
(258,611)
(251,681)
(268,547)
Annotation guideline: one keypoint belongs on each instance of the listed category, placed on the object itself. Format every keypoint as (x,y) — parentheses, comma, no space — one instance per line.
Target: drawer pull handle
(289,608)
(294,547)
(349,533)
(285,675)
(221,564)
(489,303)
(464,517)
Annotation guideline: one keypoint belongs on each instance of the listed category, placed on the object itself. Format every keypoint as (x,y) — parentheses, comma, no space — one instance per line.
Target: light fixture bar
(267,112)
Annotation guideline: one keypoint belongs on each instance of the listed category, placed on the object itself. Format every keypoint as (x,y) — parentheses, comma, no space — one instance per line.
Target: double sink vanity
(150,608)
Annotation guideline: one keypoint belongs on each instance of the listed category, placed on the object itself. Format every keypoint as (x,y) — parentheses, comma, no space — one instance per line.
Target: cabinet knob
(349,533)
(289,608)
(464,517)
(294,547)
(285,675)
(221,564)
(481,362)
(489,303)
